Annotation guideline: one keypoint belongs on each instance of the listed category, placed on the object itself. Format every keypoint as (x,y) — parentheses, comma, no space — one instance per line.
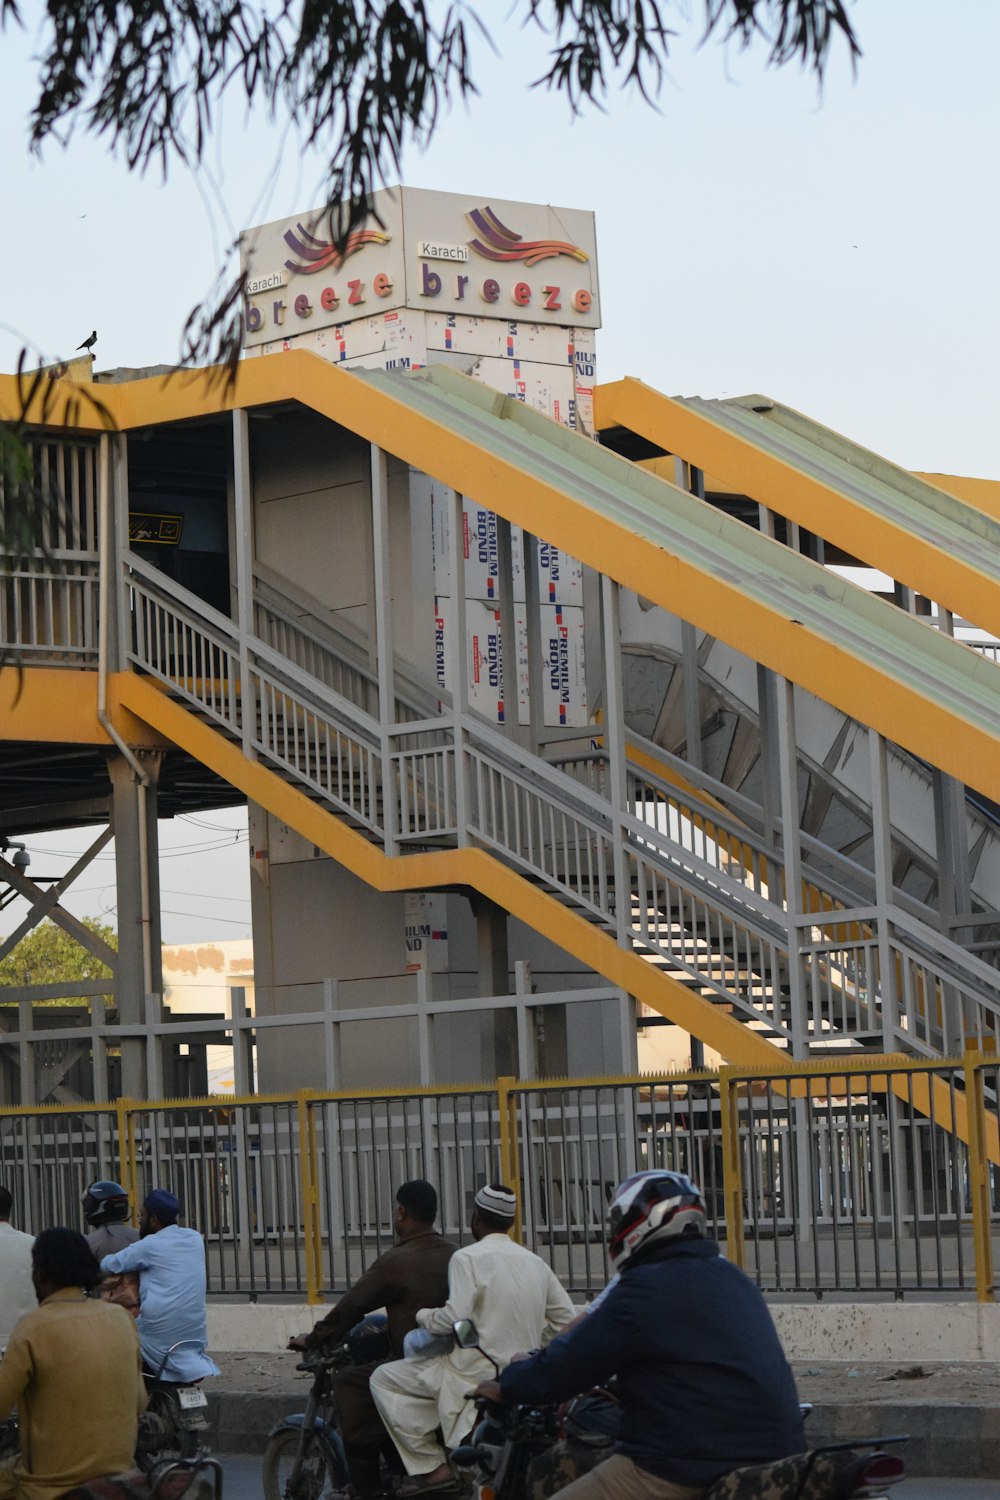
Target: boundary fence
(868,1176)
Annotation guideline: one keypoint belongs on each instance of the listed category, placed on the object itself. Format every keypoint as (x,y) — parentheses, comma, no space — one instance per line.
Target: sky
(836,251)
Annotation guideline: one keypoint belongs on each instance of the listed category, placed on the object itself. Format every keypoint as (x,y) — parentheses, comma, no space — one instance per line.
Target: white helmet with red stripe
(651,1208)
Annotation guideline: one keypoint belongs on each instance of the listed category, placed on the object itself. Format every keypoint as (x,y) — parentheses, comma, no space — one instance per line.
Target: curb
(946,1440)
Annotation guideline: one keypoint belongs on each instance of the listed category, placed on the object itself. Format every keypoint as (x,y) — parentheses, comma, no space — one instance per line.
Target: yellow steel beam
(744,468)
(447,867)
(50,705)
(984,494)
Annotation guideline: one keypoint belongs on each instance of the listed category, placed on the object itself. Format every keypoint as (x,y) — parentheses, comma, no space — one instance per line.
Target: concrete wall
(312,519)
(315,921)
(850,1331)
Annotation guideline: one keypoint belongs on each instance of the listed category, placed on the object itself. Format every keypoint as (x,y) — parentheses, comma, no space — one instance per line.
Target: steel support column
(882,852)
(614,726)
(508,637)
(499,1034)
(692,480)
(140,970)
(383,640)
(243,548)
(533,627)
(791,854)
(458,668)
(118,622)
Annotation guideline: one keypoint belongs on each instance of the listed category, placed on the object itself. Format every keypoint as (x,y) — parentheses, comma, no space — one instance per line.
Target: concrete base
(953,1332)
(922,1332)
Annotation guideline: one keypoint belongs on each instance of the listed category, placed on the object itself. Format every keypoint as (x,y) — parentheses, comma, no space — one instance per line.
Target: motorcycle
(171,1426)
(531,1452)
(304,1450)
(9,1441)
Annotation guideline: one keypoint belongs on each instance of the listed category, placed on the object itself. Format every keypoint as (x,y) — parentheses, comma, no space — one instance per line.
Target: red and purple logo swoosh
(497,242)
(316,255)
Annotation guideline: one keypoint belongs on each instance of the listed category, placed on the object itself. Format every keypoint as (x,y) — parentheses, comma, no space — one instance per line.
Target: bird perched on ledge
(88,344)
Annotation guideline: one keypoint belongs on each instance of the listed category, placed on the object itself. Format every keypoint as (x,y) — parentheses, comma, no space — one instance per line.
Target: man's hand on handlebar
(299,1342)
(488,1390)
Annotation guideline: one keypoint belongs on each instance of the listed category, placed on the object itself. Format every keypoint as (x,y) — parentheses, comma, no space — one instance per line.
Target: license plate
(190,1396)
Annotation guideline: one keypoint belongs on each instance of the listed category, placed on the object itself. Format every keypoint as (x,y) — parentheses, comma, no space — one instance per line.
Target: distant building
(198,982)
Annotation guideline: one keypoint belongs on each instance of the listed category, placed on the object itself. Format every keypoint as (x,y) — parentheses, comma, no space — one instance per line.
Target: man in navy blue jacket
(705,1386)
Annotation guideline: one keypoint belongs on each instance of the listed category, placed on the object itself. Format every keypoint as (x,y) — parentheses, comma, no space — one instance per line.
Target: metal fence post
(732,1167)
(310,1198)
(509,1154)
(126,1152)
(979,1182)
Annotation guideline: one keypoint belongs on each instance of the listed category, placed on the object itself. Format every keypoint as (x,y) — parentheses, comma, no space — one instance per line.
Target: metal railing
(701,895)
(48,590)
(48,610)
(861,1177)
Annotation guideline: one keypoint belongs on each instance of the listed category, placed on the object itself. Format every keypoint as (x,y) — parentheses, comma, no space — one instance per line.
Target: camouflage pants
(581,1473)
(615,1478)
(804,1476)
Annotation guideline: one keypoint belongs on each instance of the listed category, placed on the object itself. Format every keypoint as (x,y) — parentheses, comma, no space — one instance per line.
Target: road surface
(242,1482)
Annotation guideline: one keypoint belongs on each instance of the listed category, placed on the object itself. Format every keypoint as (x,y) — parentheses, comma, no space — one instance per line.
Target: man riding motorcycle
(515,1300)
(705,1387)
(411,1274)
(170,1261)
(105,1208)
(72,1366)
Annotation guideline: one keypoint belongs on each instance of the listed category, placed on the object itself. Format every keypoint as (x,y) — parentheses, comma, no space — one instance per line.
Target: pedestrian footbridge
(778,826)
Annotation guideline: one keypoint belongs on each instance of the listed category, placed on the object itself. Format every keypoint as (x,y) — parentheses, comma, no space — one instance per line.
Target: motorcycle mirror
(467,1337)
(466,1334)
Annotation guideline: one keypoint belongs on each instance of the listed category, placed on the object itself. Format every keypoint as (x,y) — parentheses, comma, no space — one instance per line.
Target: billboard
(444,253)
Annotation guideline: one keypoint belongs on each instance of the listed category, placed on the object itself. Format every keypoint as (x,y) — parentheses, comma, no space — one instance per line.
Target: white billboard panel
(564,686)
(443,253)
(392,341)
(484,657)
(498,339)
(425,919)
(564,693)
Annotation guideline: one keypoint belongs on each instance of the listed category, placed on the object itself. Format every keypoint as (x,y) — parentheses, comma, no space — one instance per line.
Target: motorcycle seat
(179,1480)
(804,1476)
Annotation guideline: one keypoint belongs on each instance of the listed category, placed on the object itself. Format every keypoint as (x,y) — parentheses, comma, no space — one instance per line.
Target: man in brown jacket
(411,1274)
(72,1365)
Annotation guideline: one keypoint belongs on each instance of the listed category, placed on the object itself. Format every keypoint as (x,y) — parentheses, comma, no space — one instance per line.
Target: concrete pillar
(140,970)
(499,1035)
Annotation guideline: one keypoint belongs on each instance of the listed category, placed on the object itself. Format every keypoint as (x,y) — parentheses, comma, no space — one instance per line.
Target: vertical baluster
(60,511)
(340,749)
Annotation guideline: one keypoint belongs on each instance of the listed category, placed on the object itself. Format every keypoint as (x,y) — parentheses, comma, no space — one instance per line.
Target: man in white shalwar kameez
(516,1303)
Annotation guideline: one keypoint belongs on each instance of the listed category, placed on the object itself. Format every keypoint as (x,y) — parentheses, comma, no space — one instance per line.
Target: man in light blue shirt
(171,1266)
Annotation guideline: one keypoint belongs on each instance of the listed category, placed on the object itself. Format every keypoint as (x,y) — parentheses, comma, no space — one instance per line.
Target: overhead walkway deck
(928,539)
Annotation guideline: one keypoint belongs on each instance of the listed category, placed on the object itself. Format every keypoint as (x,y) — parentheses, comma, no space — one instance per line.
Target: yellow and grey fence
(865,1176)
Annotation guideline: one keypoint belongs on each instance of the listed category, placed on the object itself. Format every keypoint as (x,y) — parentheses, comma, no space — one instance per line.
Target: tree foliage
(48,955)
(359,77)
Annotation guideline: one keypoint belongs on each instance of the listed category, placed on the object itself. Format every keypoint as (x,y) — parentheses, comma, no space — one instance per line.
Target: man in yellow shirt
(72,1366)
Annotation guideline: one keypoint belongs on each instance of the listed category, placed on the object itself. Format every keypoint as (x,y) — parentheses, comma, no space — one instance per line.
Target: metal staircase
(672,875)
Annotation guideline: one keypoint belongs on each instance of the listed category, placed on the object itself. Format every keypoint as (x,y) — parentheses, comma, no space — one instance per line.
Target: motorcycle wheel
(180,1442)
(279,1460)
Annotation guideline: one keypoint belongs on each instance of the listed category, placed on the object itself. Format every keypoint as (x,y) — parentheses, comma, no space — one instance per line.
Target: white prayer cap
(495,1199)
